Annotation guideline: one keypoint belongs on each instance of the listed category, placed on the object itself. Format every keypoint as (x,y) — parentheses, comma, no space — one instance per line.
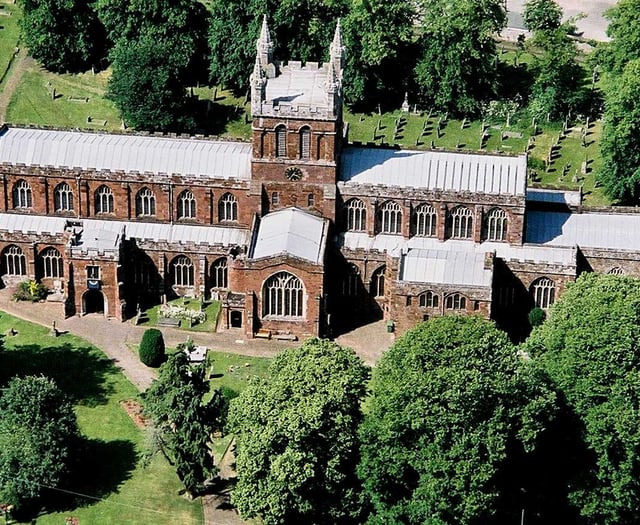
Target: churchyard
(9,35)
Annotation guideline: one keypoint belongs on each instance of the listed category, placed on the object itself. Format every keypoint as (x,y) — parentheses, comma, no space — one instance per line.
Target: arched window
(219,273)
(351,283)
(311,200)
(51,262)
(305,143)
(281,141)
(145,203)
(455,301)
(496,225)
(543,291)
(14,261)
(461,223)
(186,205)
(356,215)
(145,272)
(428,300)
(228,208)
(104,200)
(377,282)
(63,197)
(182,270)
(616,270)
(390,217)
(425,225)
(282,295)
(22,196)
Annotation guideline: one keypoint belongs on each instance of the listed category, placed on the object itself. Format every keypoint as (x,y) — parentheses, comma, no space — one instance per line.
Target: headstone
(405,104)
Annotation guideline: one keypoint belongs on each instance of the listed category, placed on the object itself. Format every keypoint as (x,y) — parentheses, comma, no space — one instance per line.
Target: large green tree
(542,15)
(297,444)
(453,413)
(620,144)
(182,421)
(457,67)
(38,434)
(590,347)
(63,35)
(624,30)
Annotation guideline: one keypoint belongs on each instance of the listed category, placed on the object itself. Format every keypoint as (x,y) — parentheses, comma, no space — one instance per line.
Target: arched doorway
(93,302)
(236,319)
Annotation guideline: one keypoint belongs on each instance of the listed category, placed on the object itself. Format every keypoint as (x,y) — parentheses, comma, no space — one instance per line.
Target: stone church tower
(297,129)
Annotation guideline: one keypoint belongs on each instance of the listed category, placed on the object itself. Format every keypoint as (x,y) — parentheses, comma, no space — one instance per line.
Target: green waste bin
(390,326)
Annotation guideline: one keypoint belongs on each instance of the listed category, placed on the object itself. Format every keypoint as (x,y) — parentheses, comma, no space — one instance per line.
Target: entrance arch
(93,302)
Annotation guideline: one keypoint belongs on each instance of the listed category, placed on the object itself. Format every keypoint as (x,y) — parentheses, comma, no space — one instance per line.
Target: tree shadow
(212,118)
(81,372)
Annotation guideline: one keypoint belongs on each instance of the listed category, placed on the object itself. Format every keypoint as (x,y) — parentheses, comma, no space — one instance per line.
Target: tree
(379,41)
(182,421)
(296,433)
(542,15)
(457,67)
(151,350)
(453,416)
(590,348)
(38,433)
(624,30)
(148,85)
(620,144)
(63,35)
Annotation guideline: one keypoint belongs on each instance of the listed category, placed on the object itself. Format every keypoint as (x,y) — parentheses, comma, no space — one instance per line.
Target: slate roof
(445,267)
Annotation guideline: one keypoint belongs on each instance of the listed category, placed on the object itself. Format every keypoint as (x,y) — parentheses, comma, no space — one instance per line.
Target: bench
(263,334)
(168,321)
(285,337)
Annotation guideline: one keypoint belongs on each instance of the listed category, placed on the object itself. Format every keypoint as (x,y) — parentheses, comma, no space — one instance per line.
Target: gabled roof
(100,151)
(291,231)
(435,170)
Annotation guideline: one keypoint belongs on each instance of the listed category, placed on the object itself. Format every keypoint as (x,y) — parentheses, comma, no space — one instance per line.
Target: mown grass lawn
(112,484)
(212,310)
(9,36)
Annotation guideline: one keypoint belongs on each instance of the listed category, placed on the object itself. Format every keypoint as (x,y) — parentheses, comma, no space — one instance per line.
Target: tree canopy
(38,434)
(624,30)
(452,411)
(542,15)
(590,348)
(297,443)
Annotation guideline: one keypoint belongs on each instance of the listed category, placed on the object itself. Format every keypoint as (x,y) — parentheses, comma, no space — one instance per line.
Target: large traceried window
(356,215)
(14,261)
(282,296)
(305,143)
(219,273)
(461,223)
(228,208)
(455,301)
(351,283)
(543,291)
(145,272)
(51,261)
(186,205)
(22,196)
(145,203)
(104,200)
(390,217)
(496,224)
(428,300)
(281,141)
(182,270)
(63,197)
(377,282)
(425,225)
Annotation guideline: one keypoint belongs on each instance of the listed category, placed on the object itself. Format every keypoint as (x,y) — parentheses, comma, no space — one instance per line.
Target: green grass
(9,36)
(112,484)
(235,372)
(212,309)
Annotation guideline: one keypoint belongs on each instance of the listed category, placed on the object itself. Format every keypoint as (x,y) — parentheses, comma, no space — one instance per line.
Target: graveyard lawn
(113,484)
(9,38)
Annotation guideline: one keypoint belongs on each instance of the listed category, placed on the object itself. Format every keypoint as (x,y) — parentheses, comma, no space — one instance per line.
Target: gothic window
(390,217)
(616,270)
(425,225)
(275,198)
(281,141)
(145,203)
(63,197)
(455,301)
(461,223)
(22,196)
(356,215)
(93,272)
(496,225)
(351,282)
(228,208)
(305,143)
(51,262)
(145,272)
(543,291)
(428,300)
(186,205)
(182,271)
(282,295)
(14,261)
(104,200)
(377,282)
(311,199)
(219,273)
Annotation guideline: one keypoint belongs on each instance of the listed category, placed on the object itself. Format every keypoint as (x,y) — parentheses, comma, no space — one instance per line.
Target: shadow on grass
(213,118)
(80,372)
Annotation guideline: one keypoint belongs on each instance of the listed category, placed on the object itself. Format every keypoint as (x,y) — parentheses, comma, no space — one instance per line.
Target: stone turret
(337,51)
(264,46)
(258,83)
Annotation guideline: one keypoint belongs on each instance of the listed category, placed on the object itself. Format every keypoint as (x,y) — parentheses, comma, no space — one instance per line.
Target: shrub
(537,317)
(151,349)
(30,290)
